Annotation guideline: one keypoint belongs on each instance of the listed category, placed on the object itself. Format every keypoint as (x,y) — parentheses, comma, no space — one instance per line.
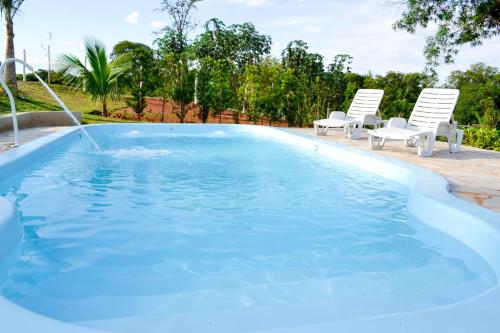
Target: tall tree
(459,22)
(252,46)
(104,79)
(479,101)
(305,74)
(180,11)
(174,53)
(336,82)
(177,78)
(140,75)
(217,42)
(9,9)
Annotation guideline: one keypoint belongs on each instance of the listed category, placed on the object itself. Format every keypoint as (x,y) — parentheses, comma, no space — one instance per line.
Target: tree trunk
(182,113)
(10,69)
(245,99)
(104,108)
(164,100)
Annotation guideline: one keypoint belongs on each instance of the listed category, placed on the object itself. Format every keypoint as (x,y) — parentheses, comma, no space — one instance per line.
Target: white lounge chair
(363,111)
(432,116)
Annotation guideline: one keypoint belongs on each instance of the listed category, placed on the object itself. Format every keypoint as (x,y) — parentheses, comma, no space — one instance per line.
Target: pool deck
(25,135)
(474,174)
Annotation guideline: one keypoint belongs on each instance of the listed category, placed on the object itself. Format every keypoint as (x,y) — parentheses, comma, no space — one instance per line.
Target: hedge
(486,138)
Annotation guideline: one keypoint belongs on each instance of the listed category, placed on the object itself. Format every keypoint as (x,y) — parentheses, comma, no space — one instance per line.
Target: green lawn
(34,97)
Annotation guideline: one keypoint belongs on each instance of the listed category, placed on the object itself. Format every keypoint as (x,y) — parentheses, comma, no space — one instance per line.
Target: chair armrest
(397,122)
(371,119)
(444,128)
(337,115)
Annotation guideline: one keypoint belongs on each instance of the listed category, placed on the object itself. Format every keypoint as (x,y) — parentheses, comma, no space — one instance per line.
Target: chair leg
(375,143)
(450,138)
(455,140)
(320,130)
(410,143)
(353,131)
(425,145)
(458,142)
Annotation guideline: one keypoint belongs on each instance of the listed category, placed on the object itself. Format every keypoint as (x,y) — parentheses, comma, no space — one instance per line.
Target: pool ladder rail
(49,90)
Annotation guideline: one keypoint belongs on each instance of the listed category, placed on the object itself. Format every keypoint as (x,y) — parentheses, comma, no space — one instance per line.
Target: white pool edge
(429,200)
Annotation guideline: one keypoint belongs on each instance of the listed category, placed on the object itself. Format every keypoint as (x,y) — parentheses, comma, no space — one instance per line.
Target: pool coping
(429,200)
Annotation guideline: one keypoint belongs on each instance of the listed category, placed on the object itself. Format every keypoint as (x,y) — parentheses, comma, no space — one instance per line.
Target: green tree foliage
(304,84)
(336,82)
(177,77)
(180,12)
(459,22)
(214,84)
(264,90)
(103,80)
(231,52)
(251,46)
(139,77)
(400,91)
(175,57)
(479,101)
(216,42)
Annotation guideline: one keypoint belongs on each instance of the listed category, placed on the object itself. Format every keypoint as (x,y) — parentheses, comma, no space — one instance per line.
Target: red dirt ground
(152,113)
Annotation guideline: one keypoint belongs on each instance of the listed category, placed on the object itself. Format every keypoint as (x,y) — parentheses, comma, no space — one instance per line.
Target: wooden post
(48,72)
(24,66)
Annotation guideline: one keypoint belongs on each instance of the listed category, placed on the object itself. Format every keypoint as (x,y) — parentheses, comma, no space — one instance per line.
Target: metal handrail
(49,90)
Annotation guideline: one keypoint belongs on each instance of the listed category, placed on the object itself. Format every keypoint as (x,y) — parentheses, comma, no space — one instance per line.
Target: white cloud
(251,3)
(158,24)
(133,17)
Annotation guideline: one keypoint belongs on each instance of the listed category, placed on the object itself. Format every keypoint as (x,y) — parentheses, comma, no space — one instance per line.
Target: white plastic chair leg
(353,131)
(425,145)
(375,143)
(410,143)
(455,140)
(320,130)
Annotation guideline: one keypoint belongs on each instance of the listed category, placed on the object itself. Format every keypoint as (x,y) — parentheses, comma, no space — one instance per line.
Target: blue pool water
(172,227)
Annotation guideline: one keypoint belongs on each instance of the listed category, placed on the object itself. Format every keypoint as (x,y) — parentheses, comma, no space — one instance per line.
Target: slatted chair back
(433,106)
(365,102)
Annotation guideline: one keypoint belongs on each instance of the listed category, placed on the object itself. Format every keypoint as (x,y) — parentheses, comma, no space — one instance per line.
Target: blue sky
(361,28)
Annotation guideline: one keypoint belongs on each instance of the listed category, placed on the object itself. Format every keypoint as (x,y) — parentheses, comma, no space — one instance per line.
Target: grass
(34,97)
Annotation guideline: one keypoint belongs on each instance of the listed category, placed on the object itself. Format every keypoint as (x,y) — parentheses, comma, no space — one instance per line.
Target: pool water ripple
(185,224)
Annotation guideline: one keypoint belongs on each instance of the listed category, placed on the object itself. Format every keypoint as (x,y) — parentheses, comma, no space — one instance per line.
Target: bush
(55,77)
(486,138)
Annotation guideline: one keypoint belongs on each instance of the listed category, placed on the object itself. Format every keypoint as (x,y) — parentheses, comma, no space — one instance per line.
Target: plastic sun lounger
(432,116)
(362,111)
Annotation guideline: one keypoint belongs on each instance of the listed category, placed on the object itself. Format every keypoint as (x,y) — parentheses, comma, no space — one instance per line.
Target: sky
(361,28)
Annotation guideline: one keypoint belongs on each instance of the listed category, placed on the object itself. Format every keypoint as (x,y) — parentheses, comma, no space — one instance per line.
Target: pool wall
(429,200)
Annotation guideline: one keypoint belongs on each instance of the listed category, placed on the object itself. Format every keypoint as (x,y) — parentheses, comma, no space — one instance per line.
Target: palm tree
(9,9)
(104,78)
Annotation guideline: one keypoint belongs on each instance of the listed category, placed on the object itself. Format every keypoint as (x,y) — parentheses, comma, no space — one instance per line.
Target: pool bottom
(285,316)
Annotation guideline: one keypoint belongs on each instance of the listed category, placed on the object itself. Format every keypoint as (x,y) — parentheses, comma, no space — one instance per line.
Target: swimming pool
(189,228)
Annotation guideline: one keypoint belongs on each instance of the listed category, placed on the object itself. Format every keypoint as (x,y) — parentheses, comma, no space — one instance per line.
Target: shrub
(55,77)
(486,138)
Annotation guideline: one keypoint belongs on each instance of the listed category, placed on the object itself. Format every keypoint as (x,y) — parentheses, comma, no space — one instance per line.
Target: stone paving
(25,135)
(474,174)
